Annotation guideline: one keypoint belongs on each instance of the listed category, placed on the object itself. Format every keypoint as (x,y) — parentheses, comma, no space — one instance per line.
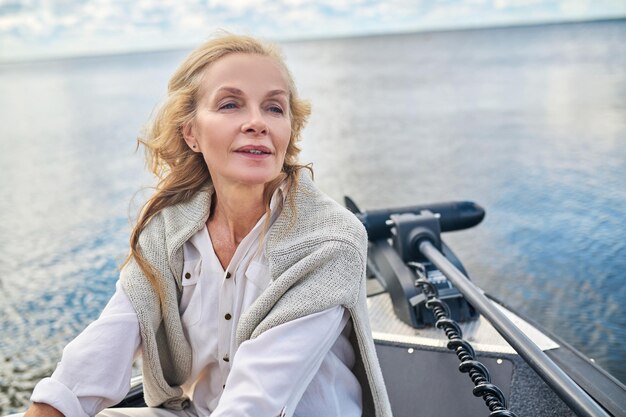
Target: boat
(431,325)
(446,348)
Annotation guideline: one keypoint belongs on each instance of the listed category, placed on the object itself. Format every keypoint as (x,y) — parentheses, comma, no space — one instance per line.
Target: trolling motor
(418,270)
(394,236)
(421,294)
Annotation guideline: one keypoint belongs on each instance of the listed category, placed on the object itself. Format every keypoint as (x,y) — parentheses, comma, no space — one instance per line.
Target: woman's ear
(189,136)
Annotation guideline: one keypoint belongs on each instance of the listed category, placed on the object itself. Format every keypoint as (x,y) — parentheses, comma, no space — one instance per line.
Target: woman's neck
(236,211)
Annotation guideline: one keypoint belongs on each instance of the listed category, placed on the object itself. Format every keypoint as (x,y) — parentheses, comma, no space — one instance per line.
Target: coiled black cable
(478,373)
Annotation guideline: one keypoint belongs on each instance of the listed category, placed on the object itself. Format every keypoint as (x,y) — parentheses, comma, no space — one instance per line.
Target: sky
(34,29)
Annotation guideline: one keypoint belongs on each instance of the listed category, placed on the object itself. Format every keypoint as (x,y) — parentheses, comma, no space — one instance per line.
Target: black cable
(478,373)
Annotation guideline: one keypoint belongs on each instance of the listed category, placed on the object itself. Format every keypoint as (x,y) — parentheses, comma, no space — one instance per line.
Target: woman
(244,290)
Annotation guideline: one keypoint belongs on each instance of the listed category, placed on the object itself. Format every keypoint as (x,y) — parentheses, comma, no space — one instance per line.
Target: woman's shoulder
(178,219)
(316,218)
(193,209)
(325,212)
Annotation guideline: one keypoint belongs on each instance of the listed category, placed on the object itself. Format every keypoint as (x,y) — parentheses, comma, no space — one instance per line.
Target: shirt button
(227,316)
(187,275)
(227,275)
(225,358)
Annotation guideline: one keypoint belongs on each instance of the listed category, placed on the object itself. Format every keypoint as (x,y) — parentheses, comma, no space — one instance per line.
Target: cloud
(509,4)
(39,27)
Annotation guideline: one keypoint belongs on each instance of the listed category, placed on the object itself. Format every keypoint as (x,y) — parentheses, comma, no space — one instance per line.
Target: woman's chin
(256,179)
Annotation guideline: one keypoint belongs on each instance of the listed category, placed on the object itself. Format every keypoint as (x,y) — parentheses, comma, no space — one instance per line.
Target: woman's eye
(276,109)
(228,106)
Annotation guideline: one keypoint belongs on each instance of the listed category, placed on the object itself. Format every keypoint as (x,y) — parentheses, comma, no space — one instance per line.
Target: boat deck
(480,333)
(422,375)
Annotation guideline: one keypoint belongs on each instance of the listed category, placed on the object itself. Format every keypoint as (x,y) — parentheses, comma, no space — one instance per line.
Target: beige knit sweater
(317,257)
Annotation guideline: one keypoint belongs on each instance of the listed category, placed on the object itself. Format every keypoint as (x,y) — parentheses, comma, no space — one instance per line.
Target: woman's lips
(254,152)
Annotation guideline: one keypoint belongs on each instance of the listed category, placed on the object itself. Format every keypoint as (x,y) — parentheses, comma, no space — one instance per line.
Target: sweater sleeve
(325,275)
(95,368)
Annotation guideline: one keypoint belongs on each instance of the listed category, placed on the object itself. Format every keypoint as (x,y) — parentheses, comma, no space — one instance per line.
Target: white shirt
(302,367)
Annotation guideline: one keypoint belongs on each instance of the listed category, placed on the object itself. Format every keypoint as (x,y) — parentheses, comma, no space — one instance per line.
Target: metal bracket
(409,229)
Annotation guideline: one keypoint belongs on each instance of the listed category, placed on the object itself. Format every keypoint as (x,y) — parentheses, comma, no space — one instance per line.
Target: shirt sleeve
(271,372)
(95,368)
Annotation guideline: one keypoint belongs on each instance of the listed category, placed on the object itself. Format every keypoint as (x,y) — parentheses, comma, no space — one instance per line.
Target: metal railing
(574,396)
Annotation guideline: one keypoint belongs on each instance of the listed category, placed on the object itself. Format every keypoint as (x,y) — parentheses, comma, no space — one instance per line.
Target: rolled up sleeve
(95,368)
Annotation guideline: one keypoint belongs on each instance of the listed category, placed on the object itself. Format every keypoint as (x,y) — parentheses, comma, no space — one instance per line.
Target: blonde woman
(244,290)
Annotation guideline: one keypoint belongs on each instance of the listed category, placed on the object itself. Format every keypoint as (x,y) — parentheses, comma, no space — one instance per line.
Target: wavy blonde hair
(180,172)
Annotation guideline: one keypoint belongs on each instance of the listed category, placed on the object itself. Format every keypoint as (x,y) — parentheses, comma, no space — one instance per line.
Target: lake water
(529,122)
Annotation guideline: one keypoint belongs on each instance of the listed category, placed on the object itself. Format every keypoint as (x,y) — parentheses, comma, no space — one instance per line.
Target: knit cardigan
(316,251)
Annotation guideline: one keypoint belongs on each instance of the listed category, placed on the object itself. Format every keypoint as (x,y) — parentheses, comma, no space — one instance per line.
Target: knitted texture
(165,349)
(317,254)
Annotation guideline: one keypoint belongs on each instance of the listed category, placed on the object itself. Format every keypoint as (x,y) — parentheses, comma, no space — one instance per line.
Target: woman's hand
(42,410)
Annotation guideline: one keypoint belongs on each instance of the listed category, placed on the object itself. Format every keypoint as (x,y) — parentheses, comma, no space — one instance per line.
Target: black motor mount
(394,240)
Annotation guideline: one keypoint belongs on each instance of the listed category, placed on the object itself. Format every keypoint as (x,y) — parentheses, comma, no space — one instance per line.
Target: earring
(193,146)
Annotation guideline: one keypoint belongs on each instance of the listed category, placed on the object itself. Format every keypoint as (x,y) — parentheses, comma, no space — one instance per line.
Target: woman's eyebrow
(237,92)
(277,93)
(231,90)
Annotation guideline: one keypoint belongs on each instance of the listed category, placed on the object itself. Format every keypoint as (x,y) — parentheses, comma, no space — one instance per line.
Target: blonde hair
(180,172)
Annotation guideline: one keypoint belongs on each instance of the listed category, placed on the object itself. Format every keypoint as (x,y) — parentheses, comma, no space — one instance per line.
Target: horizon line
(313,38)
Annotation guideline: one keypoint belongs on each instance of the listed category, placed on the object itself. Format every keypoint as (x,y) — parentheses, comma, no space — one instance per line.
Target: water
(528,122)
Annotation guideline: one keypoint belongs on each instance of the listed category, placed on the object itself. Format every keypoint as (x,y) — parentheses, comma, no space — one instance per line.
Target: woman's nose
(255,124)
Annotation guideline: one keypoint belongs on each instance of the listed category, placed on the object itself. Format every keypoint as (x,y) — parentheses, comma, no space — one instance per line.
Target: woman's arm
(95,369)
(271,372)
(42,410)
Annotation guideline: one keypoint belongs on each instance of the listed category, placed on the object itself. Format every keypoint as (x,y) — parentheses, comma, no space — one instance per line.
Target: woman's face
(242,124)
